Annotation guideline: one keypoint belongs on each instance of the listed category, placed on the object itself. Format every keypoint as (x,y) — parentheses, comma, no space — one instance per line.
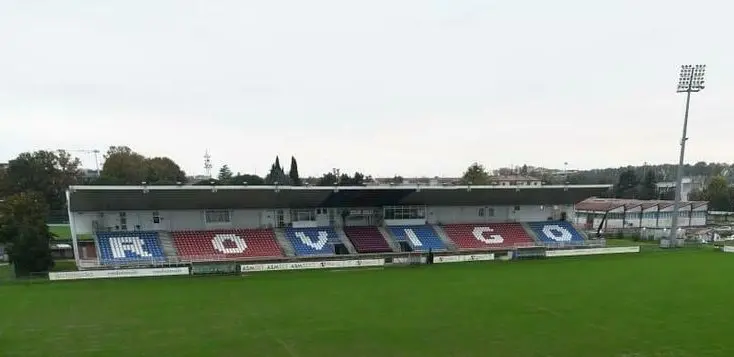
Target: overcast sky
(416,87)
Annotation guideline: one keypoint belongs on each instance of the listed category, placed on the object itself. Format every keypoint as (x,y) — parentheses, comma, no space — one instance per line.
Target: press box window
(217,217)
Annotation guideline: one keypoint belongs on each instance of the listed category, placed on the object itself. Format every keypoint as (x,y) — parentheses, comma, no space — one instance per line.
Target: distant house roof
(513,178)
(114,198)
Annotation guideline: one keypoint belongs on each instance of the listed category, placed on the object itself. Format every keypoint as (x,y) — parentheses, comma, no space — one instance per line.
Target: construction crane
(95,152)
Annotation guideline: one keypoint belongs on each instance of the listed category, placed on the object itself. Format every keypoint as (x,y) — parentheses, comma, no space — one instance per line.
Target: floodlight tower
(691,81)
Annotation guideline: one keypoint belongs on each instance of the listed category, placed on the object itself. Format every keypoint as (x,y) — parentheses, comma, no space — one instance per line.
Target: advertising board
(330,264)
(591,251)
(119,273)
(214,269)
(463,258)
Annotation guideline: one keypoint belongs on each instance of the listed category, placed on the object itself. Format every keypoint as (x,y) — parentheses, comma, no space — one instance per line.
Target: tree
(696,195)
(162,170)
(251,180)
(327,179)
(475,174)
(627,184)
(397,180)
(4,183)
(293,173)
(356,180)
(225,174)
(207,182)
(47,172)
(24,231)
(718,194)
(277,174)
(123,166)
(648,187)
(524,170)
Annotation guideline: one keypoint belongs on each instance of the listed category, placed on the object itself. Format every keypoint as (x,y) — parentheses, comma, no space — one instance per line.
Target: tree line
(33,186)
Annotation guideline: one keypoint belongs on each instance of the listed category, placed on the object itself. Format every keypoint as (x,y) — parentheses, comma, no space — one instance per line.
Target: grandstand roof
(115,198)
(607,204)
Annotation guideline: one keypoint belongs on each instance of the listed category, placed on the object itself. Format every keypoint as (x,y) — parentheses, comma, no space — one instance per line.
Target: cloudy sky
(415,87)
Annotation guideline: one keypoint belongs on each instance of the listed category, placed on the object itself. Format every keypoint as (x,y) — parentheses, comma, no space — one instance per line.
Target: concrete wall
(488,214)
(174,220)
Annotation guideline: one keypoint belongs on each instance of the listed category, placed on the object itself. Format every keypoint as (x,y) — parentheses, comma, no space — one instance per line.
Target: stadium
(170,225)
(348,276)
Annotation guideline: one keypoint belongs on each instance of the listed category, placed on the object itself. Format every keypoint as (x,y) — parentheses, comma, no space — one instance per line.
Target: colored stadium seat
(556,232)
(488,236)
(225,244)
(421,238)
(129,247)
(367,239)
(312,241)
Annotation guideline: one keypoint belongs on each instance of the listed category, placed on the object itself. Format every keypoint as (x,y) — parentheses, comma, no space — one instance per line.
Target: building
(629,213)
(515,180)
(689,184)
(413,181)
(213,223)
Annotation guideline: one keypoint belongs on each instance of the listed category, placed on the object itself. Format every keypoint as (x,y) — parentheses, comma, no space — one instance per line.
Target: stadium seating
(488,236)
(367,239)
(421,238)
(312,241)
(556,232)
(225,244)
(129,247)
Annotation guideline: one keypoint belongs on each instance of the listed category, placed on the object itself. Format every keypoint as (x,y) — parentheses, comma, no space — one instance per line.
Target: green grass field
(651,304)
(62,231)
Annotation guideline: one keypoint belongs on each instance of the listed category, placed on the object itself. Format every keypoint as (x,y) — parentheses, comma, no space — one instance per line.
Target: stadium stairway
(389,238)
(167,244)
(96,247)
(450,245)
(345,240)
(285,245)
(530,232)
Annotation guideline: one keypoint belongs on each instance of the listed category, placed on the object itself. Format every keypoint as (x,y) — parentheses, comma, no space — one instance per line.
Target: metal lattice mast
(208,164)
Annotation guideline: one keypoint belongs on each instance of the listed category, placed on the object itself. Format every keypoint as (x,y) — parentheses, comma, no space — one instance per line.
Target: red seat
(226,244)
(488,236)
(367,239)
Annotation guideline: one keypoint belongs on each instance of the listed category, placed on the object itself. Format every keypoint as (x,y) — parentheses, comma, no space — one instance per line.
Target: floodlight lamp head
(691,78)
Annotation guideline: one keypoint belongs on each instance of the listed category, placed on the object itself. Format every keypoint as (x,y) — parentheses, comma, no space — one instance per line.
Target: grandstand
(616,213)
(153,225)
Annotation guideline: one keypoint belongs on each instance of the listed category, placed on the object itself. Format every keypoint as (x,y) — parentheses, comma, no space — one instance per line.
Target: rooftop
(112,198)
(608,204)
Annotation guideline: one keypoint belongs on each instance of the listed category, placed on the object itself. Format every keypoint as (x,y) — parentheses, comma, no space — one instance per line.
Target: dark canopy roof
(120,198)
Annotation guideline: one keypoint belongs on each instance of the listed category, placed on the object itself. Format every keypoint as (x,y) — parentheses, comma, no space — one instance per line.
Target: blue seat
(312,241)
(421,238)
(556,232)
(129,247)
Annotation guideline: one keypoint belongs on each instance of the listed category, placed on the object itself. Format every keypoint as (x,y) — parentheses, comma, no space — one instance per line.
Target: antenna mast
(208,163)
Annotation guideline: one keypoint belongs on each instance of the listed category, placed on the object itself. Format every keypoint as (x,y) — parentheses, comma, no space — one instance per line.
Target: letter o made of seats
(219,239)
(492,239)
(557,233)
